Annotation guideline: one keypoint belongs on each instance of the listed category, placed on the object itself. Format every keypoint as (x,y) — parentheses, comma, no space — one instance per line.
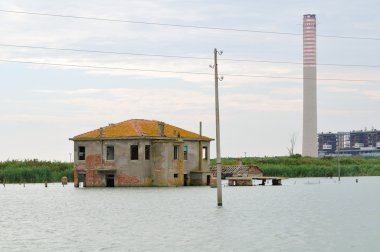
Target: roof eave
(139,137)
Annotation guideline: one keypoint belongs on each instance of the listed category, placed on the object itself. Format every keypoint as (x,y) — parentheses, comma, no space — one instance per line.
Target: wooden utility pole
(338,168)
(200,148)
(218,158)
(339,158)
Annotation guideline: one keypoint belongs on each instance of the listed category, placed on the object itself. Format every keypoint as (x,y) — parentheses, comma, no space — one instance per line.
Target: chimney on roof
(101,133)
(161,126)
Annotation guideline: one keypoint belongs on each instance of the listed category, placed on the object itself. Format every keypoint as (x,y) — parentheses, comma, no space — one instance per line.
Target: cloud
(261,103)
(287,91)
(31,118)
(145,101)
(335,89)
(343,112)
(373,94)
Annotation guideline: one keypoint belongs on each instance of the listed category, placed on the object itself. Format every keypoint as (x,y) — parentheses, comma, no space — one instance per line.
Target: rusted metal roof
(136,128)
(238,170)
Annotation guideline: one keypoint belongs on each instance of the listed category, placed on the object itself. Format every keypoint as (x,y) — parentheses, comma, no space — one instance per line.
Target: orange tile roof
(139,128)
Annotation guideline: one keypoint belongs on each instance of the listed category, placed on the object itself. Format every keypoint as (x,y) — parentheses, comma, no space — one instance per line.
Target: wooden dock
(247,181)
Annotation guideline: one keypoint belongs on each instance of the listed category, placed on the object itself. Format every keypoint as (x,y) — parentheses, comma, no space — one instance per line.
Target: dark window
(147,152)
(185,152)
(134,152)
(205,154)
(175,152)
(82,153)
(110,152)
(176,175)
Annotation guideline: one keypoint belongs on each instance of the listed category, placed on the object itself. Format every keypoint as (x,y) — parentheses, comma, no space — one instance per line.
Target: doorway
(185,178)
(208,179)
(110,180)
(82,179)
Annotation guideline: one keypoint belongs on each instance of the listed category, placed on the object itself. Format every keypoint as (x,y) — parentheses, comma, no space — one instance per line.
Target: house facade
(141,153)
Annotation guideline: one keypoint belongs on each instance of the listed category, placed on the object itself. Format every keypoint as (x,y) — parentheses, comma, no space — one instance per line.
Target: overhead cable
(182,25)
(179,72)
(180,57)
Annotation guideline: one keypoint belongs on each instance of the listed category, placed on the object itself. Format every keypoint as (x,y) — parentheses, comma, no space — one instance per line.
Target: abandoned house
(141,153)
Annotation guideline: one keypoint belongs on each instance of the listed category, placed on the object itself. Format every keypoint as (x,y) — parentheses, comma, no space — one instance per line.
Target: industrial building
(141,153)
(353,143)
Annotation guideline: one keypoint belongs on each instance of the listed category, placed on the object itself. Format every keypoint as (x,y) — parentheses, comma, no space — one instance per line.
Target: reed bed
(297,166)
(34,171)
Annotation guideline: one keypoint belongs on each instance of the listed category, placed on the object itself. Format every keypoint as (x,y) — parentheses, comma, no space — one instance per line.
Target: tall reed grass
(34,171)
(297,166)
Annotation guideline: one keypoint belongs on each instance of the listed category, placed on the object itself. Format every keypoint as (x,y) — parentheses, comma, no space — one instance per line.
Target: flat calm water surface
(315,214)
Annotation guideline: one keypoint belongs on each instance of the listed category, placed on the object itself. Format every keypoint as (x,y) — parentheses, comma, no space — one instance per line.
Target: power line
(180,57)
(180,72)
(101,67)
(104,52)
(300,63)
(182,25)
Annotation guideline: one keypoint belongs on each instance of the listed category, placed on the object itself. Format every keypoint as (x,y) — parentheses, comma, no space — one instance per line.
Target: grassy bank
(34,171)
(297,166)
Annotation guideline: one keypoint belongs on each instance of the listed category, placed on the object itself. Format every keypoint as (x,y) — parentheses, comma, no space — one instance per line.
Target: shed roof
(139,128)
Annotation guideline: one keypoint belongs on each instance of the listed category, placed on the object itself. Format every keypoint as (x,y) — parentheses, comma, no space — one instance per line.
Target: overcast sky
(42,106)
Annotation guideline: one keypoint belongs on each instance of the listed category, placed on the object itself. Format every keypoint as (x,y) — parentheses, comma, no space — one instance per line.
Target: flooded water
(302,215)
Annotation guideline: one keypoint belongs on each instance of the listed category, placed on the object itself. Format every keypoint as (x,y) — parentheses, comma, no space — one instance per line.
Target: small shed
(238,171)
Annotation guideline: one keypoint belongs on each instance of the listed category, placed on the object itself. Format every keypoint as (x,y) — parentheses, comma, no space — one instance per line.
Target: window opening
(147,152)
(82,153)
(205,153)
(175,152)
(185,152)
(134,152)
(110,152)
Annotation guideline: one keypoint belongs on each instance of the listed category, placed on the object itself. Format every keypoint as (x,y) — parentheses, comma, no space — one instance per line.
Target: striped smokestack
(310,134)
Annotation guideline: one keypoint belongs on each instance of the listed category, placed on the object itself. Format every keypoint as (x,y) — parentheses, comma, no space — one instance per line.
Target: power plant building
(354,143)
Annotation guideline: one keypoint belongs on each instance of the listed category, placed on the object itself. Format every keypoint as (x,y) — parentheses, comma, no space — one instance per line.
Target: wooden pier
(247,181)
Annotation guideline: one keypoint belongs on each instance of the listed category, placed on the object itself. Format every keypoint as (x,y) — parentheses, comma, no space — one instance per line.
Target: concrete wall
(176,168)
(194,149)
(90,164)
(160,170)
(196,163)
(127,172)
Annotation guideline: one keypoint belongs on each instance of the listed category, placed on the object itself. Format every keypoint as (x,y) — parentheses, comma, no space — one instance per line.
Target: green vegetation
(34,171)
(297,166)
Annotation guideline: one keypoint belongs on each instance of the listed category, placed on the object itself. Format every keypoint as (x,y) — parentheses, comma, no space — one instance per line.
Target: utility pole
(218,158)
(70,157)
(339,168)
(339,159)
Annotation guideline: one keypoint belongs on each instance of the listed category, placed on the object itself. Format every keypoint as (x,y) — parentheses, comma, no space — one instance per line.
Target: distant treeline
(297,166)
(34,171)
